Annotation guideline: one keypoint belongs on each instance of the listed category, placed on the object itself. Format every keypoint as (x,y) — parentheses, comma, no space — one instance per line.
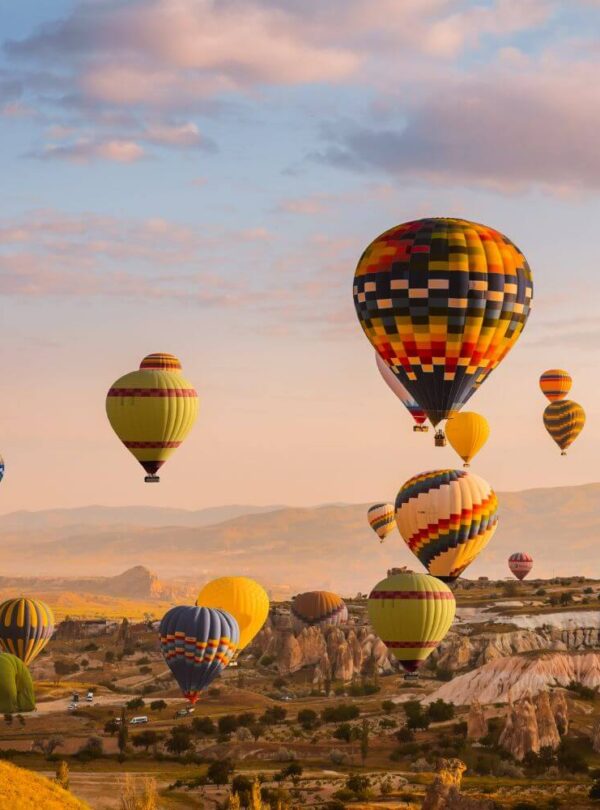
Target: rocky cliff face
(520,675)
(444,792)
(531,725)
(477,726)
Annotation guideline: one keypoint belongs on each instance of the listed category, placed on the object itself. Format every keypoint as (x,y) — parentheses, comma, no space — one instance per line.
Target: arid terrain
(327,719)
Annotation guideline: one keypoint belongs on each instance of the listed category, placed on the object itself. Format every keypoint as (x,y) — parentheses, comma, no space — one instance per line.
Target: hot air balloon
(1,468)
(418,414)
(411,613)
(442,301)
(244,598)
(152,410)
(318,608)
(520,564)
(555,383)
(197,643)
(467,432)
(446,517)
(26,626)
(564,421)
(382,519)
(16,686)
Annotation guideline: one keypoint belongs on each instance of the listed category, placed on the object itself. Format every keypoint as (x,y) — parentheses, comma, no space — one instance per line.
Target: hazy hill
(300,548)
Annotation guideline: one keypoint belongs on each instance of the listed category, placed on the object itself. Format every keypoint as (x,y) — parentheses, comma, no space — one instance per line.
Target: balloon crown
(161,361)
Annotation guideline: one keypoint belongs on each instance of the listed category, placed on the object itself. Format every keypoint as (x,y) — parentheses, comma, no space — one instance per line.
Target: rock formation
(560,710)
(444,792)
(477,726)
(520,733)
(548,735)
(596,736)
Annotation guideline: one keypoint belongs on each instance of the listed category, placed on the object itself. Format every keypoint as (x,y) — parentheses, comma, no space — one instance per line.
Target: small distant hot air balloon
(564,421)
(26,626)
(382,520)
(197,644)
(152,410)
(555,383)
(244,598)
(467,432)
(411,613)
(16,686)
(318,608)
(418,414)
(520,564)
(1,468)
(442,301)
(446,517)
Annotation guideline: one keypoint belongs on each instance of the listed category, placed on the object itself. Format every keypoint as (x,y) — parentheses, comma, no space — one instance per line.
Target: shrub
(340,713)
(227,724)
(308,719)
(219,771)
(405,734)
(439,711)
(203,725)
(595,790)
(92,749)
(343,732)
(158,705)
(136,703)
(266,660)
(388,706)
(274,715)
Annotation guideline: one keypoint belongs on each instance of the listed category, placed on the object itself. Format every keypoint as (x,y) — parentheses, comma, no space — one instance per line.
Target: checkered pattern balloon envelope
(446,517)
(564,420)
(442,301)
(520,564)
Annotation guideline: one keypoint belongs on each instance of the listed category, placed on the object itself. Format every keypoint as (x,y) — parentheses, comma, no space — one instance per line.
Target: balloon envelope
(411,613)
(197,644)
(555,383)
(446,517)
(442,301)
(318,608)
(520,564)
(382,519)
(16,686)
(26,626)
(564,420)
(392,381)
(152,410)
(467,432)
(244,598)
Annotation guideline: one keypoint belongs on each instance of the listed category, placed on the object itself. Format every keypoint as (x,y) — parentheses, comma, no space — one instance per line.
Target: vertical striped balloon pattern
(26,626)
(564,421)
(152,410)
(555,383)
(520,564)
(446,517)
(411,613)
(442,301)
(382,519)
(197,643)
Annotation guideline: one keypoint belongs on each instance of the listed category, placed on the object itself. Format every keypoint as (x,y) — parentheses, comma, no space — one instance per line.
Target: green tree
(203,726)
(111,727)
(158,705)
(145,739)
(123,734)
(227,724)
(180,740)
(219,771)
(308,719)
(136,703)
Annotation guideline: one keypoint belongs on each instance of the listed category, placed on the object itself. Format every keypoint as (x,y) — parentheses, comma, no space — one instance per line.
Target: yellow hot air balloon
(382,519)
(564,421)
(411,613)
(244,598)
(467,432)
(152,410)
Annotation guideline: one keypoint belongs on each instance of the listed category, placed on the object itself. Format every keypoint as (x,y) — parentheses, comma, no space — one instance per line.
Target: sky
(201,176)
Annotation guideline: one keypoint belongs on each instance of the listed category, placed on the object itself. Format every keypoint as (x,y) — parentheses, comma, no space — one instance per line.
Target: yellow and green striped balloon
(26,626)
(152,410)
(564,421)
(411,613)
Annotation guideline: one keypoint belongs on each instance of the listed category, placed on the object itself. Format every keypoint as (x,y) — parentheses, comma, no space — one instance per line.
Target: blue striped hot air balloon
(26,626)
(197,643)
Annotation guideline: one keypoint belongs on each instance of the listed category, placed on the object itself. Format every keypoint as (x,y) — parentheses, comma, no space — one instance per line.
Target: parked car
(185,712)
(72,707)
(135,721)
(90,696)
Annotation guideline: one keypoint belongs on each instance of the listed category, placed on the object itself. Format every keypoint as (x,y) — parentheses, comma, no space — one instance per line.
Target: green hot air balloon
(16,686)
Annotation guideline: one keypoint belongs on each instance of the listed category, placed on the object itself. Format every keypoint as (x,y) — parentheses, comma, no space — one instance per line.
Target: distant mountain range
(289,549)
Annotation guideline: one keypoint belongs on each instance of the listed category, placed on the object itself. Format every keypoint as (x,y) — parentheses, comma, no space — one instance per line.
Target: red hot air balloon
(520,564)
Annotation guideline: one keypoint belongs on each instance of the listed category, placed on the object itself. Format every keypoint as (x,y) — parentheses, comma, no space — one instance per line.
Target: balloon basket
(420,428)
(440,439)
(152,479)
(564,453)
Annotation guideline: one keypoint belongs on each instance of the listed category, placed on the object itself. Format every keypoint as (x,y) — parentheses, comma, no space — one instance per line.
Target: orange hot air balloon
(555,383)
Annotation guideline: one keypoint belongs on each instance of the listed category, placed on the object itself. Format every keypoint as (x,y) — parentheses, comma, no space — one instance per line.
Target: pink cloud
(85,151)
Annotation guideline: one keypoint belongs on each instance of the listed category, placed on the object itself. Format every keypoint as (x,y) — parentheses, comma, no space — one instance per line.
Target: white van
(135,721)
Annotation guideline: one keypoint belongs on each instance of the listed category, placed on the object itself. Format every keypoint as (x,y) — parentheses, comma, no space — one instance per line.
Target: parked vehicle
(135,721)
(90,696)
(185,712)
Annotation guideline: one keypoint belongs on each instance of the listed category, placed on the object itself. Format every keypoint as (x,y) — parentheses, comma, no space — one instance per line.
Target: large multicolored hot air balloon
(382,519)
(26,626)
(244,598)
(197,643)
(564,421)
(317,608)
(16,686)
(555,383)
(467,432)
(442,301)
(446,517)
(152,410)
(520,564)
(418,414)
(411,613)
